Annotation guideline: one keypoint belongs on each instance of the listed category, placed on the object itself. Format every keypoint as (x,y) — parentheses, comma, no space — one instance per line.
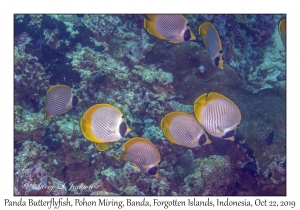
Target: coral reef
(213,172)
(112,59)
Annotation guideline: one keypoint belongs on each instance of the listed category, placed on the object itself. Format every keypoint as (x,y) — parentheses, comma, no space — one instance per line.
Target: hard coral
(103,25)
(31,81)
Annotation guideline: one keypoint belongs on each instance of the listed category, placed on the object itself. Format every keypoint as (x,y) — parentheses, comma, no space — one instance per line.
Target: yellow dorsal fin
(149,26)
(85,123)
(282,25)
(199,104)
(46,117)
(86,129)
(134,140)
(55,86)
(166,122)
(213,95)
(282,31)
(152,17)
(203,28)
(168,118)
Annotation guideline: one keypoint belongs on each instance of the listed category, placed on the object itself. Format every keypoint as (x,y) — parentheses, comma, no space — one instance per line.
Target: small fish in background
(269,175)
(100,78)
(218,115)
(173,28)
(183,129)
(282,31)
(143,154)
(59,99)
(212,42)
(103,124)
(270,138)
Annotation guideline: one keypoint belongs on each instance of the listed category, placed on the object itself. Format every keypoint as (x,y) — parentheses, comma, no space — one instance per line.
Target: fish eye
(217,59)
(187,35)
(123,129)
(202,139)
(153,170)
(188,24)
(74,101)
(220,51)
(229,134)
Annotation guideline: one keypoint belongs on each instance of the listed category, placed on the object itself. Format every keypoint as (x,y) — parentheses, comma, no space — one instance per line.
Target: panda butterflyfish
(59,99)
(174,28)
(103,124)
(218,115)
(282,31)
(183,129)
(212,42)
(143,154)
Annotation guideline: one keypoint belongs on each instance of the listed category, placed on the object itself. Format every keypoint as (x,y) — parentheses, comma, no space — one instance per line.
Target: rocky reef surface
(112,59)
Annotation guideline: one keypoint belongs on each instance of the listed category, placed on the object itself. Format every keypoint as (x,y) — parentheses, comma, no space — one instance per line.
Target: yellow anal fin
(173,42)
(47,117)
(169,136)
(102,146)
(87,132)
(122,157)
(136,166)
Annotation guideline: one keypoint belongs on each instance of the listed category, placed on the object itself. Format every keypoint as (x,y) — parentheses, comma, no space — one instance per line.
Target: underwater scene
(150,105)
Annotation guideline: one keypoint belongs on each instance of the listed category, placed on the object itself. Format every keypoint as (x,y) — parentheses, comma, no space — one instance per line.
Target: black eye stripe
(217,59)
(74,101)
(187,35)
(202,139)
(228,134)
(123,129)
(153,170)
